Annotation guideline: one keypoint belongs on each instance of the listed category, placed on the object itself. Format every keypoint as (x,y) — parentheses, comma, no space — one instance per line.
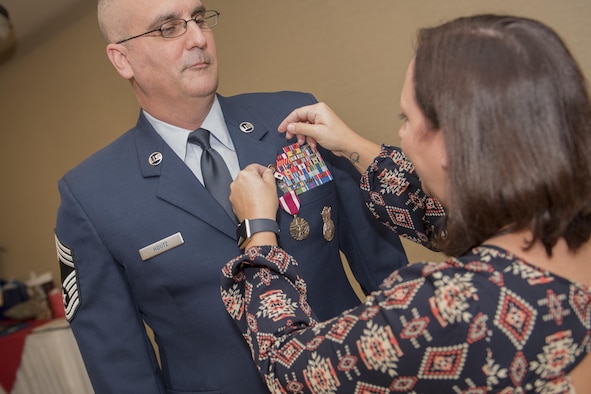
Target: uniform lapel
(176,183)
(249,145)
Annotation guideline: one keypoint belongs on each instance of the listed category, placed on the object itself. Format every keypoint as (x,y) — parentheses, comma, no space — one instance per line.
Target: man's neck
(188,114)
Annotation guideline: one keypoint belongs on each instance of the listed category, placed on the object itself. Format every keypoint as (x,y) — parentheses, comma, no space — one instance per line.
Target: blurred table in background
(50,362)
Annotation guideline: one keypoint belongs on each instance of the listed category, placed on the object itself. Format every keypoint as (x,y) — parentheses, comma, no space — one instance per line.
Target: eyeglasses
(177,27)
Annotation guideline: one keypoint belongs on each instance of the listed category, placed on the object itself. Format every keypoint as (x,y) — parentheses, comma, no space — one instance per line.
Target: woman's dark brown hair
(515,113)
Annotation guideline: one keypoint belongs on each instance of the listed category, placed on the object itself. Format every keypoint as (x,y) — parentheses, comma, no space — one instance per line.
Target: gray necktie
(216,176)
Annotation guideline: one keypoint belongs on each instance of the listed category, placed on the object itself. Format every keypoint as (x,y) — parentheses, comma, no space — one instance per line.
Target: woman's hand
(253,193)
(318,124)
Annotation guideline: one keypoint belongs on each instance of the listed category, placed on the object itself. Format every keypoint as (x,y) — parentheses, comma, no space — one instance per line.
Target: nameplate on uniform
(161,246)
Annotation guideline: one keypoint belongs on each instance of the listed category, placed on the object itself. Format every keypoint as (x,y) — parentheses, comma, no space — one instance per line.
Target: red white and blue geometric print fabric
(483,322)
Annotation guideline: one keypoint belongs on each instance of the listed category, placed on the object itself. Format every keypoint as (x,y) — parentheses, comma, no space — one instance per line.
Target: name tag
(161,246)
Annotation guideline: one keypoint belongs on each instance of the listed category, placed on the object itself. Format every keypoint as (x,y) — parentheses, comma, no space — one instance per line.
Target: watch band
(248,227)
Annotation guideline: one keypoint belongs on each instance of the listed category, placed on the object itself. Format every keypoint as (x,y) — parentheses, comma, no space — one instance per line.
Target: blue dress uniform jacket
(119,201)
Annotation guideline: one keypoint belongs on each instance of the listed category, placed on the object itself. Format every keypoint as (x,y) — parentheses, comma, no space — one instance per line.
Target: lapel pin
(246,127)
(155,158)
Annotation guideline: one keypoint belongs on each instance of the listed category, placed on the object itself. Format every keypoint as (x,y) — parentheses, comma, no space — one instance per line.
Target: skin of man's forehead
(160,11)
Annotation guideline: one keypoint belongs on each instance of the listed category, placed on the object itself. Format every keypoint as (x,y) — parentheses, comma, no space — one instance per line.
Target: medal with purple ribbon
(299,228)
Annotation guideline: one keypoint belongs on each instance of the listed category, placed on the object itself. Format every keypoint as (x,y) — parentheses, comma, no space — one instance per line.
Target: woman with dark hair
(497,125)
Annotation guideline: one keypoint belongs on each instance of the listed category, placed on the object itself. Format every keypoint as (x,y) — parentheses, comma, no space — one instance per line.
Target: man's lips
(200,62)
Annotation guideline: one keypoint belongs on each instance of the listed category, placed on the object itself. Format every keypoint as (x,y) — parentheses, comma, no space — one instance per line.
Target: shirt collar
(176,137)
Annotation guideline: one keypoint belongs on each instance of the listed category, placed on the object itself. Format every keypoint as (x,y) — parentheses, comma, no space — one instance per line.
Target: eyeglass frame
(215,14)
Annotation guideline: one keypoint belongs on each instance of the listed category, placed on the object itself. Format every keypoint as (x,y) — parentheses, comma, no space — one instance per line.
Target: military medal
(328,224)
(302,168)
(299,228)
(297,170)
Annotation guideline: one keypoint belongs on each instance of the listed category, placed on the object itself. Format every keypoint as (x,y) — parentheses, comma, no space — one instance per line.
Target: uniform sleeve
(107,326)
(372,250)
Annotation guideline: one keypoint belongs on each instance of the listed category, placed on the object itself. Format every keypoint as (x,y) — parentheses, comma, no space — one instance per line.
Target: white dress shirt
(220,140)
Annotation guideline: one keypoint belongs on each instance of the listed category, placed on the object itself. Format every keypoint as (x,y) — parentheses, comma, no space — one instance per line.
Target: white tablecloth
(51,363)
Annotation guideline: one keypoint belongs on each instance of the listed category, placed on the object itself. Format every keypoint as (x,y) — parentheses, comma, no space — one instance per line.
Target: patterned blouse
(483,322)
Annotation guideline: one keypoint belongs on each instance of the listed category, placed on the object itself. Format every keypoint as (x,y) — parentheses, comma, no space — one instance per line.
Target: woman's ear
(117,54)
(444,161)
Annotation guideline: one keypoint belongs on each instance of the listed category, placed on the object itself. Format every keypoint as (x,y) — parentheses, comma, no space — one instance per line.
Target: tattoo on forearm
(354,157)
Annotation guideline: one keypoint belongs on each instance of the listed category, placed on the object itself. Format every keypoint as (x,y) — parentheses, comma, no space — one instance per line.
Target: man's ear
(117,54)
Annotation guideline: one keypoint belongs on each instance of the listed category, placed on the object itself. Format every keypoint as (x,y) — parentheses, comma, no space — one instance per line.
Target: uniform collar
(176,137)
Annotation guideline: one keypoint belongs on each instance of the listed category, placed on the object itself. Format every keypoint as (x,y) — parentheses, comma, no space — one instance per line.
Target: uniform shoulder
(269,107)
(285,96)
(105,158)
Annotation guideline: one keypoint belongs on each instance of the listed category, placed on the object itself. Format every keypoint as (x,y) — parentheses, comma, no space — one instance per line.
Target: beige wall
(61,100)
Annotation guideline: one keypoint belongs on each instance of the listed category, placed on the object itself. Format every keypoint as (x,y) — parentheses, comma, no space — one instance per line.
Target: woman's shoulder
(487,269)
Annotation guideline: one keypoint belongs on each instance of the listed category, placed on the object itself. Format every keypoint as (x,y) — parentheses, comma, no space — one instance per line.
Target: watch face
(241,240)
(241,233)
(247,228)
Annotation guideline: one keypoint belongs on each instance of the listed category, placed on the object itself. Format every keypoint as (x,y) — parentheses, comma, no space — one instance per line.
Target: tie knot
(201,138)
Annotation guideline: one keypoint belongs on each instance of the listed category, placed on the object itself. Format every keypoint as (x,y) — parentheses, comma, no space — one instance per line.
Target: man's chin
(204,85)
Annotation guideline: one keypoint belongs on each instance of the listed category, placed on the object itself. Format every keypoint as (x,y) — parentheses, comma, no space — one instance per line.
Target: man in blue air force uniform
(141,240)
